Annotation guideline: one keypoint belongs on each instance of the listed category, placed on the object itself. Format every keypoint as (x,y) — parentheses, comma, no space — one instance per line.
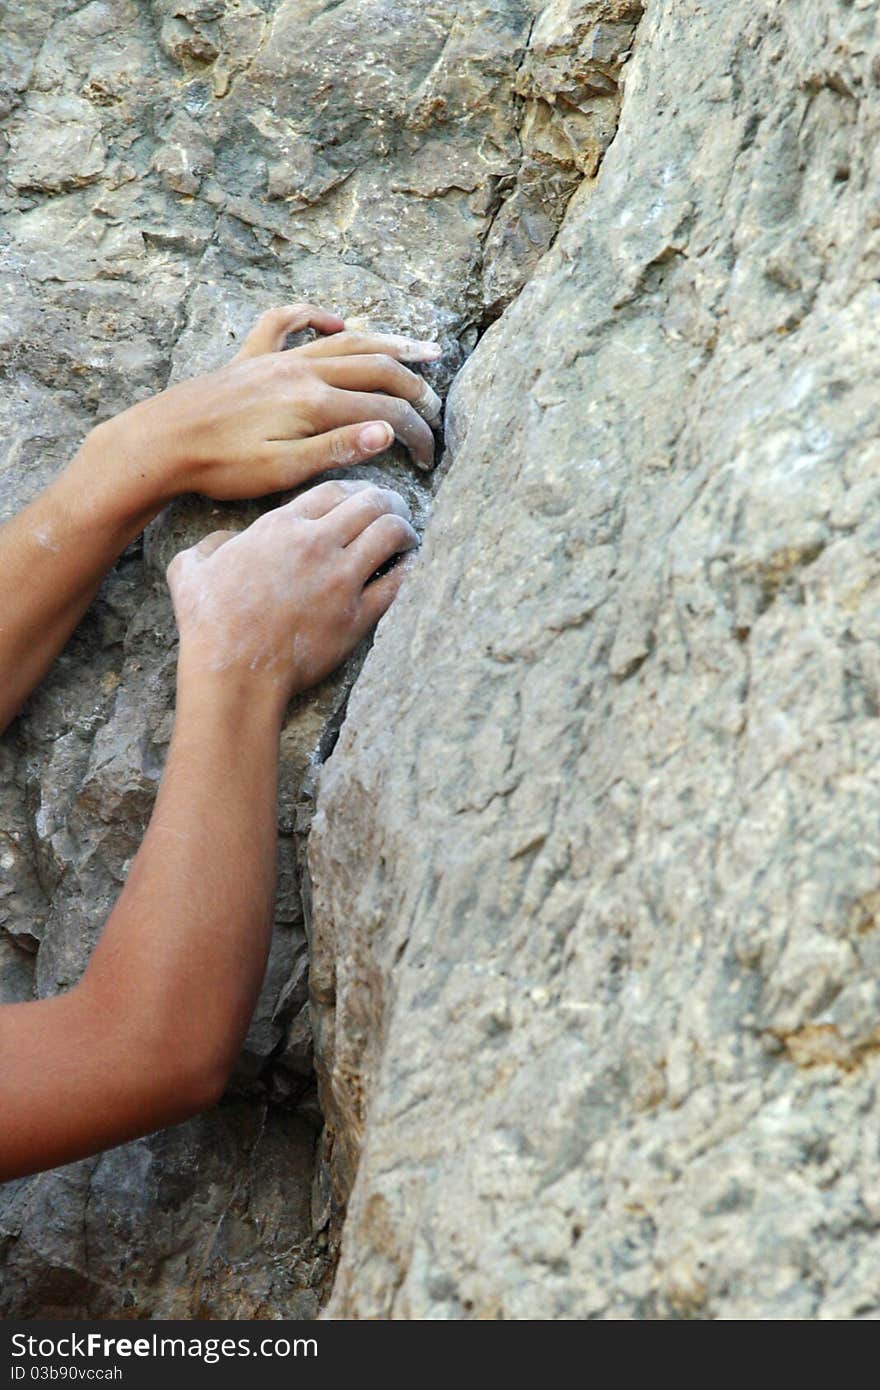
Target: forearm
(55,553)
(185,949)
(149,1035)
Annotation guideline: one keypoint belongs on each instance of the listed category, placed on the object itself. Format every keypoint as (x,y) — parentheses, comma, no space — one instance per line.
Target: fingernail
(375,437)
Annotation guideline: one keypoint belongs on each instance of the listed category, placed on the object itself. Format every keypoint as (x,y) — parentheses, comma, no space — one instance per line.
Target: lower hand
(277,607)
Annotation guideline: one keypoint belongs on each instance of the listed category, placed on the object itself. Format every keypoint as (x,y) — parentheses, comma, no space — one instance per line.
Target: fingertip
(425,463)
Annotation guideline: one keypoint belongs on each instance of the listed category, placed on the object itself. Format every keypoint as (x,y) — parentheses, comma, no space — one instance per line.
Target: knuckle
(287,365)
(302,378)
(336,494)
(316,390)
(341,450)
(270,525)
(178,564)
(310,540)
(395,411)
(351,487)
(411,418)
(374,502)
(274,366)
(329,494)
(339,578)
(324,492)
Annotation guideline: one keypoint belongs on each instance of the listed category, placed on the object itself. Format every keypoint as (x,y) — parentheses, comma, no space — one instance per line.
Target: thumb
(337,448)
(208,544)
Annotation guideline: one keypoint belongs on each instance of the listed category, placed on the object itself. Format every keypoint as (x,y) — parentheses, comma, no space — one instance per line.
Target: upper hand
(271,419)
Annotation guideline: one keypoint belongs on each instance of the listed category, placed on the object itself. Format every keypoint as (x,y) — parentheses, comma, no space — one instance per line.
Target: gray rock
(172,169)
(594,867)
(592,889)
(208,1220)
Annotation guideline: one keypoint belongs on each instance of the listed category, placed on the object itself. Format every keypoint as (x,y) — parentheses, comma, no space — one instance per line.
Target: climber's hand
(272,419)
(278,606)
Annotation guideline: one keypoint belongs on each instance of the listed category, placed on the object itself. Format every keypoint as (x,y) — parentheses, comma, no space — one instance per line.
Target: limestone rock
(55,144)
(593,888)
(172,169)
(594,868)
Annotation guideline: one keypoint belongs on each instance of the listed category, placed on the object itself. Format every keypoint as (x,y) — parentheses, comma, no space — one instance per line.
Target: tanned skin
(150,1033)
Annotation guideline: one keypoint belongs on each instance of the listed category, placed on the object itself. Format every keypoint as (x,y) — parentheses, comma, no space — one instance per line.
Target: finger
(352,517)
(194,554)
(372,371)
(271,329)
(408,425)
(384,538)
(318,501)
(336,448)
(349,343)
(378,597)
(208,544)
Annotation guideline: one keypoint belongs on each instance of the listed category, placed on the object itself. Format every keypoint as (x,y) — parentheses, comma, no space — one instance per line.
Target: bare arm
(148,1036)
(268,421)
(53,556)
(151,1032)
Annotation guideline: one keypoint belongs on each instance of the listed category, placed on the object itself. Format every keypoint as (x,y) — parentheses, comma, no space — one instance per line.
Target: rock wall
(168,169)
(595,867)
(593,883)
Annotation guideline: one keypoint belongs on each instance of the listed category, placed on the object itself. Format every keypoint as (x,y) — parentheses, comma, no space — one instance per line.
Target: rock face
(595,866)
(170,169)
(592,882)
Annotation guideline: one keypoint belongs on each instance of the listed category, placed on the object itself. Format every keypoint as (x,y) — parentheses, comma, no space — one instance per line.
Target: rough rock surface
(593,885)
(167,170)
(596,871)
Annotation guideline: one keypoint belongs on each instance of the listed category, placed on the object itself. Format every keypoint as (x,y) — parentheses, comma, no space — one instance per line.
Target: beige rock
(594,871)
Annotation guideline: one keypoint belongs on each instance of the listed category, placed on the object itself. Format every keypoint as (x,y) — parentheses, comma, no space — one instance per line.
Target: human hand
(276,607)
(272,419)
